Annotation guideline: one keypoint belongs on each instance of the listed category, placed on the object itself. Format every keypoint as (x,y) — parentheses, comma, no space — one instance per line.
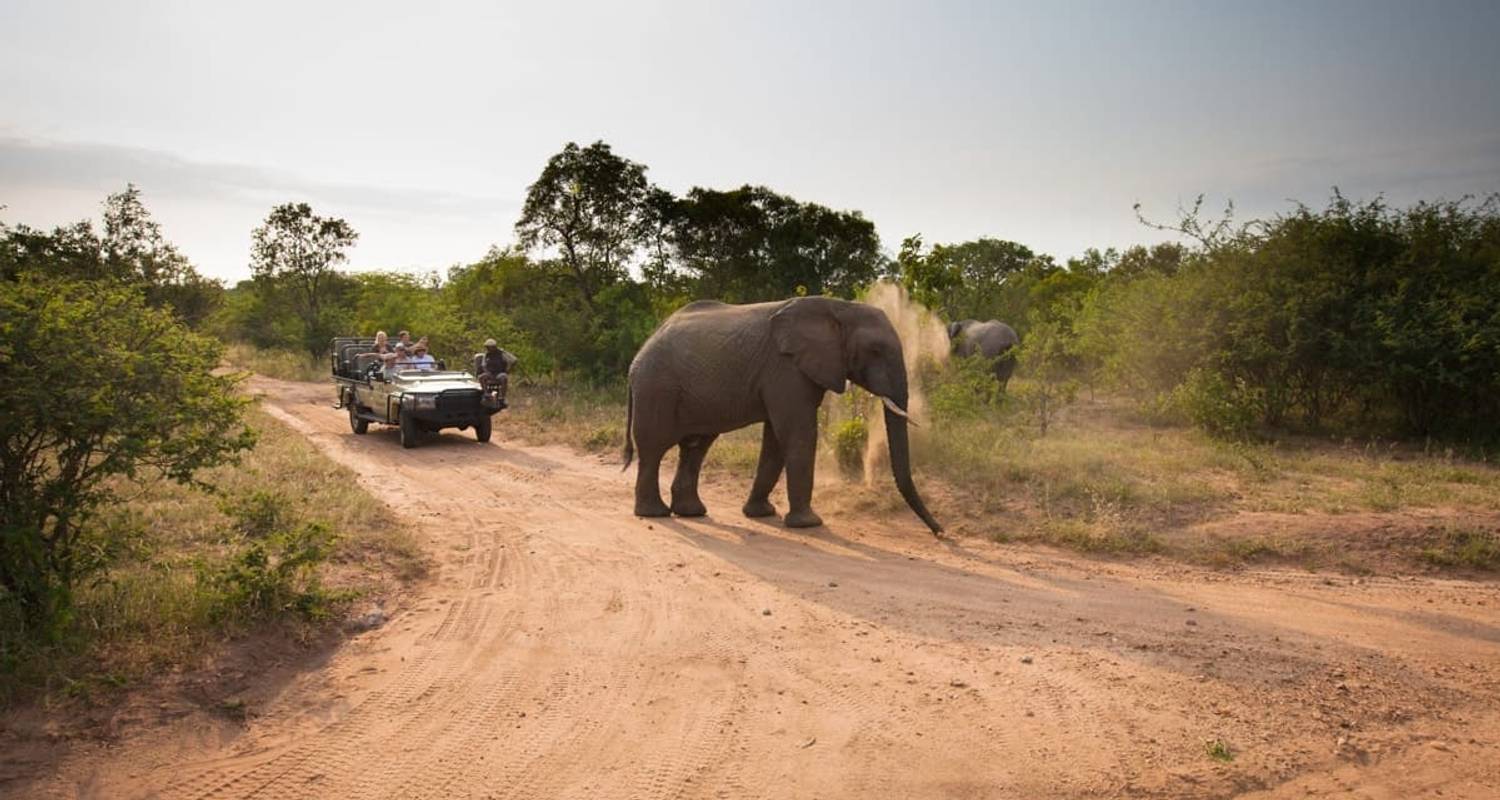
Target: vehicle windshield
(431,374)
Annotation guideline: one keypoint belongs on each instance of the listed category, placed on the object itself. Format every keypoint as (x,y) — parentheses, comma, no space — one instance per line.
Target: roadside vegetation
(148,513)
(285,544)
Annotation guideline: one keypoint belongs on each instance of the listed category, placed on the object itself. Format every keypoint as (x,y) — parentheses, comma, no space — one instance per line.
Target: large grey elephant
(992,339)
(712,368)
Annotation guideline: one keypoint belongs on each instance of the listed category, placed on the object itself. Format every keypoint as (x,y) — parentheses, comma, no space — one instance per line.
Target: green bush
(1222,407)
(275,564)
(849,440)
(965,389)
(96,386)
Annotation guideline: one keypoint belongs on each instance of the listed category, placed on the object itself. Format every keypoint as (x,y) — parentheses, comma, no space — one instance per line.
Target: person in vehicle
(420,360)
(403,357)
(382,345)
(494,372)
(388,362)
(405,338)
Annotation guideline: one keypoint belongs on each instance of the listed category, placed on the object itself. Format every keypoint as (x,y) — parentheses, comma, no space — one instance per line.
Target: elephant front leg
(767,473)
(685,500)
(647,484)
(800,446)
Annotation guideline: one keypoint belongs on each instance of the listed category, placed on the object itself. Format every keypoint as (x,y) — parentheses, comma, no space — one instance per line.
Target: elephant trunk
(900,450)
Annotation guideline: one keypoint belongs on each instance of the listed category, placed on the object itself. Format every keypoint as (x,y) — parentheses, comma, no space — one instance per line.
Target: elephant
(712,367)
(992,339)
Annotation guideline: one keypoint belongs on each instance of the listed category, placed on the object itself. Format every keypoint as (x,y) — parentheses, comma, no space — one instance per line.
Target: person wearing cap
(420,359)
(495,368)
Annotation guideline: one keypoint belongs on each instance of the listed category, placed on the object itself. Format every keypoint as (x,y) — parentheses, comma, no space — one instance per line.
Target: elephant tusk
(897,410)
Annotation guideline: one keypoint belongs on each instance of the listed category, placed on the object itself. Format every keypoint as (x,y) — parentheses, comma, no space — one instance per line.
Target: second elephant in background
(992,339)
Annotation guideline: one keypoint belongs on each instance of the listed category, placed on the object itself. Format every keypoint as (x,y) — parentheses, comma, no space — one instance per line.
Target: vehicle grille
(458,402)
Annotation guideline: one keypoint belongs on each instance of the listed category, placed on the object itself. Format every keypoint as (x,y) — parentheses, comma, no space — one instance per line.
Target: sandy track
(568,649)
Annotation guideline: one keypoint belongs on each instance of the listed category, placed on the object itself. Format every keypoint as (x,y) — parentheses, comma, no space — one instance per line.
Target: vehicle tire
(356,424)
(482,429)
(409,432)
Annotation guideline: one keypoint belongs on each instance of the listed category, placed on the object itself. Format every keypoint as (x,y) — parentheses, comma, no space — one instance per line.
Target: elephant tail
(629,418)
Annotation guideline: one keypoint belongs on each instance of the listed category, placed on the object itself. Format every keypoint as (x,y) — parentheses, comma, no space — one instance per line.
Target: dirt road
(567,649)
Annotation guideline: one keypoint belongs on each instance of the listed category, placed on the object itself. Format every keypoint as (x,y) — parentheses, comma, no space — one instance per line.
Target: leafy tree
(751,244)
(532,308)
(134,251)
(67,252)
(97,385)
(979,279)
(293,255)
(591,205)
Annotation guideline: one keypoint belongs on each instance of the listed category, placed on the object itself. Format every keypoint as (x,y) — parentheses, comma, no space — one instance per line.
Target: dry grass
(152,612)
(1104,481)
(287,365)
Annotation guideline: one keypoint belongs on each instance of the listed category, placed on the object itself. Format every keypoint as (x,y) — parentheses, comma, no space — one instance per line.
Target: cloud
(29,164)
(208,209)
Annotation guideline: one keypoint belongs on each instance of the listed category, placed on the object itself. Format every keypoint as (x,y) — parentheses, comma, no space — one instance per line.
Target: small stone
(1192,622)
(766,612)
(371,619)
(957,684)
(1025,659)
(833,584)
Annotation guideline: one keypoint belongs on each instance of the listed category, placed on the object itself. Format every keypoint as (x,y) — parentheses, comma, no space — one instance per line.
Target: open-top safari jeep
(415,401)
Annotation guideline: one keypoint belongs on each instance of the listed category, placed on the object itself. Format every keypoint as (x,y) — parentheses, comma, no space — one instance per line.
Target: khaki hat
(401,346)
(490,343)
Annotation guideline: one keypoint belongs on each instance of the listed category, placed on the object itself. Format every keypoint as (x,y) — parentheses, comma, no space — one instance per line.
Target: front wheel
(358,425)
(482,428)
(409,430)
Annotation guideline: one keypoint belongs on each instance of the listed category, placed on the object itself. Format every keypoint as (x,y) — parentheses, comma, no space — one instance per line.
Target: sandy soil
(567,649)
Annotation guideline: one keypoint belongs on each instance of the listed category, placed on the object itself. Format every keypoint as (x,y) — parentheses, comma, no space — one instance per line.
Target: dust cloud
(924,337)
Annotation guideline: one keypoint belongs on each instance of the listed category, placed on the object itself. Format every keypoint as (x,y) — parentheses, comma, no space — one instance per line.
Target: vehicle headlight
(427,402)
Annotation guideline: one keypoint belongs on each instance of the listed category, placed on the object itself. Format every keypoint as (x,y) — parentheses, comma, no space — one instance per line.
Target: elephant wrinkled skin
(712,368)
(992,339)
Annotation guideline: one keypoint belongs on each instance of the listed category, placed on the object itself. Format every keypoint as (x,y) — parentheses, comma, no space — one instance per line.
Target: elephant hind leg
(647,482)
(767,473)
(691,452)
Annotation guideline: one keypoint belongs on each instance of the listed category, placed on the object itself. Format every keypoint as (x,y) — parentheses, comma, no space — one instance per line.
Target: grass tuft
(1218,750)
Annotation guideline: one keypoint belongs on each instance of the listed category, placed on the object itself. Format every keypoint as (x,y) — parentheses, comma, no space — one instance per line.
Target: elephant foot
(805,518)
(692,507)
(759,508)
(652,508)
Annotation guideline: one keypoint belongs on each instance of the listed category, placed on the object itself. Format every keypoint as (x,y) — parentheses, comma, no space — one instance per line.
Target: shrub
(849,440)
(1222,407)
(966,389)
(97,385)
(274,568)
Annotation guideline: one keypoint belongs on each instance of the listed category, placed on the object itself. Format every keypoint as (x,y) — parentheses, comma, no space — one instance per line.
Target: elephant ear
(809,332)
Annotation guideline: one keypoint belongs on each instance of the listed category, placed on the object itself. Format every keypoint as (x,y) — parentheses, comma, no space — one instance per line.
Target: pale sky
(422,123)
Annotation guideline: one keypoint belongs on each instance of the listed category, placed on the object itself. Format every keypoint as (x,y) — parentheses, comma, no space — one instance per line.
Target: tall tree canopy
(294,255)
(132,252)
(752,244)
(591,205)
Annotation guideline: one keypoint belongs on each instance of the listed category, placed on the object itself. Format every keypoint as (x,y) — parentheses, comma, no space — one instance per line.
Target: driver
(496,369)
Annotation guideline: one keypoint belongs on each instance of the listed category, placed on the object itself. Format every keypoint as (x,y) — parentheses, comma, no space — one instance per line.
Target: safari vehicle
(415,401)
